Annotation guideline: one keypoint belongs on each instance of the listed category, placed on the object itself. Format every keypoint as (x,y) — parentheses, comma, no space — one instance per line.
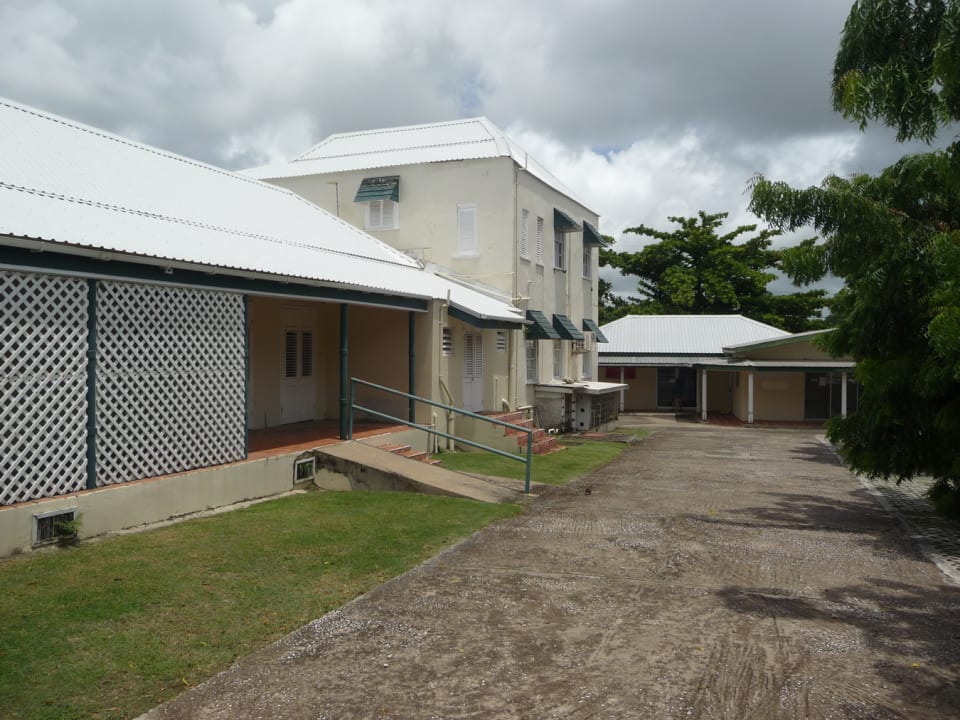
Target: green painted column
(344,370)
(412,382)
(91,384)
(246,374)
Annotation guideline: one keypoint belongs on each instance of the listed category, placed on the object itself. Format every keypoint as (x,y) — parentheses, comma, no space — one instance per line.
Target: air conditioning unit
(588,344)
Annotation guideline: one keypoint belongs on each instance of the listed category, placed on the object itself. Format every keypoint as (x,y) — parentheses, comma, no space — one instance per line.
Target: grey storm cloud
(644,107)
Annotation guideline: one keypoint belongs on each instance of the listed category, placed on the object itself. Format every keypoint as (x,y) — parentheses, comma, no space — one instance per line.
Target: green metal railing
(432,430)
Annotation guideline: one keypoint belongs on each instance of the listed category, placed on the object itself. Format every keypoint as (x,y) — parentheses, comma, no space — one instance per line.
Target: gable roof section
(775,342)
(89,192)
(467,139)
(694,335)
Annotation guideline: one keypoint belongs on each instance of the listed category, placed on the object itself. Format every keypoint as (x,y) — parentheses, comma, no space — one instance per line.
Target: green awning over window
(539,328)
(563,222)
(566,329)
(591,236)
(379,188)
(590,325)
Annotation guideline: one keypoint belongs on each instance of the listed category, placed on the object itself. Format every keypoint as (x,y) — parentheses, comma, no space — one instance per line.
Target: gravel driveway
(710,573)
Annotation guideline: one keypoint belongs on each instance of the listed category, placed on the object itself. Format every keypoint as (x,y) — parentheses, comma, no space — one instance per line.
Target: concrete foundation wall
(128,505)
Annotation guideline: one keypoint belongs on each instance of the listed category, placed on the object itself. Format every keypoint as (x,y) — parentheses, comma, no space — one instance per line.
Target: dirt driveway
(710,573)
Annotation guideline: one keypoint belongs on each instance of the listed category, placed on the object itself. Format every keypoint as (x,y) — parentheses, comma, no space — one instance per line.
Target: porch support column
(412,381)
(246,375)
(623,391)
(344,371)
(703,394)
(843,394)
(750,397)
(91,384)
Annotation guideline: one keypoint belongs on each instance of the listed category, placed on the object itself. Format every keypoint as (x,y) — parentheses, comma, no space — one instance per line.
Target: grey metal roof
(721,363)
(76,186)
(655,360)
(683,334)
(466,139)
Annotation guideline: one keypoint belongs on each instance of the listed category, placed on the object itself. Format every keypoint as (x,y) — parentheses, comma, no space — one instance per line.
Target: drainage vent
(53,526)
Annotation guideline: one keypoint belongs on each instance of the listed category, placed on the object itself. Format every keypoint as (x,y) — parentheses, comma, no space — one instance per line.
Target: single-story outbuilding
(726,364)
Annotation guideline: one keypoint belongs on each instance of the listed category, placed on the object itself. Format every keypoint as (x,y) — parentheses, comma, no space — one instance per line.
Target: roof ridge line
(120,140)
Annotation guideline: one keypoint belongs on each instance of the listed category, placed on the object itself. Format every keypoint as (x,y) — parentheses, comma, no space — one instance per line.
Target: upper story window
(525,234)
(587,263)
(381,195)
(557,359)
(539,248)
(559,250)
(382,215)
(447,342)
(467,241)
(562,224)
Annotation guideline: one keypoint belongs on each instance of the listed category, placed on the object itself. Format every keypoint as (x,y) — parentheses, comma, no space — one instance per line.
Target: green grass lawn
(558,468)
(111,629)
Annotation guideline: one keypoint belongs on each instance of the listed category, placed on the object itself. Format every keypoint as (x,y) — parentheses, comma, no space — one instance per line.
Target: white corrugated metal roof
(683,334)
(466,139)
(75,185)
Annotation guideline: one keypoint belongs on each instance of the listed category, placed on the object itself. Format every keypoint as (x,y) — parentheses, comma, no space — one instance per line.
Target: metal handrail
(528,460)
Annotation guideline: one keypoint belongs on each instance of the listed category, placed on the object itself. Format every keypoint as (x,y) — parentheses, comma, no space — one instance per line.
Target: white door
(299,385)
(473,372)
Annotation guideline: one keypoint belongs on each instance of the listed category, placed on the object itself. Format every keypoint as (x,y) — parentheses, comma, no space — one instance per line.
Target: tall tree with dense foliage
(695,269)
(895,240)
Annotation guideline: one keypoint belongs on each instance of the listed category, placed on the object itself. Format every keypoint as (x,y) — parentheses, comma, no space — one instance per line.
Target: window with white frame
(559,250)
(467,230)
(525,234)
(531,361)
(501,340)
(539,247)
(382,215)
(587,262)
(447,342)
(585,366)
(557,359)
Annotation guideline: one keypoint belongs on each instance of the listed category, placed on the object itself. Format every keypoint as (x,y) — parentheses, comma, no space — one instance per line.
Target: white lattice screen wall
(170,380)
(43,386)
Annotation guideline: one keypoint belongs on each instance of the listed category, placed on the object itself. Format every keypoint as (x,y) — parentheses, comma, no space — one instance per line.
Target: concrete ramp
(356,466)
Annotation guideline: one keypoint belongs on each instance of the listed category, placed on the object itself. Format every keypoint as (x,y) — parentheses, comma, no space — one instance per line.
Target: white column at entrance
(623,391)
(703,395)
(843,395)
(750,397)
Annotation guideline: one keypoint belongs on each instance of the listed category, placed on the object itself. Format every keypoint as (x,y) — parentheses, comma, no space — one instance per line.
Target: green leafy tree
(694,269)
(894,238)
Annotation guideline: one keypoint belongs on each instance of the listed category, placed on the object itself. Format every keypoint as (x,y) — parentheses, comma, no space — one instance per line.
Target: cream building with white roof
(463,198)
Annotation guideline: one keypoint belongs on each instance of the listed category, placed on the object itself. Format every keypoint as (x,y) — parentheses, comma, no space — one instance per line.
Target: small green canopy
(590,325)
(540,329)
(566,329)
(563,222)
(379,188)
(591,236)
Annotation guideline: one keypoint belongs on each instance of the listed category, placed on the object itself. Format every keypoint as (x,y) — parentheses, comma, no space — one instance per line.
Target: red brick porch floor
(306,435)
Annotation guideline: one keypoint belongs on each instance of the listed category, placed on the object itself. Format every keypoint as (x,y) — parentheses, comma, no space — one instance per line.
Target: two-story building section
(464,199)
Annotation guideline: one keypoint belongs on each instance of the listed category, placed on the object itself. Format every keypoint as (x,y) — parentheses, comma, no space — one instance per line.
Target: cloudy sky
(647,108)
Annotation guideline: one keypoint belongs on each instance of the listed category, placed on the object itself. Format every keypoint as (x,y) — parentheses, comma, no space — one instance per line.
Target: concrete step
(408,452)
(538,436)
(355,466)
(546,446)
